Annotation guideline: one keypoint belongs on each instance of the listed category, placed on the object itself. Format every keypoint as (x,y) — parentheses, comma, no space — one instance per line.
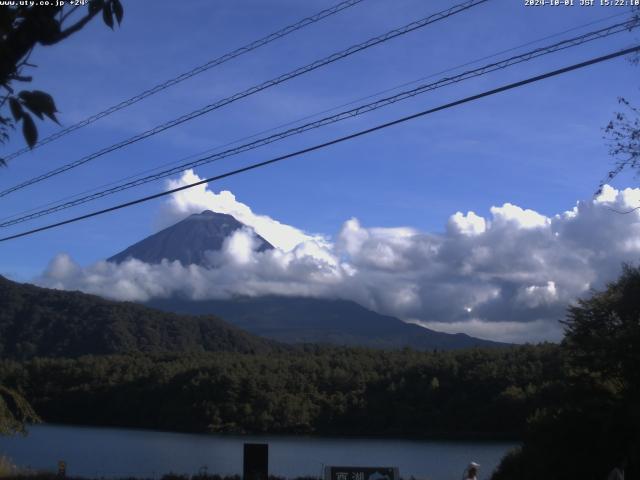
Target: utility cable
(335,141)
(258,88)
(191,73)
(360,110)
(310,116)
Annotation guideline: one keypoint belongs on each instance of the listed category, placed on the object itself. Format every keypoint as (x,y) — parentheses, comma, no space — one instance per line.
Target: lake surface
(117,452)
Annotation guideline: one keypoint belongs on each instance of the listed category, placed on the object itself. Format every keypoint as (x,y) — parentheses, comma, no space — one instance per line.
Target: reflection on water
(113,452)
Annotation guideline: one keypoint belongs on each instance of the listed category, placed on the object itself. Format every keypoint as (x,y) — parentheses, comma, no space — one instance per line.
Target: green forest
(311,390)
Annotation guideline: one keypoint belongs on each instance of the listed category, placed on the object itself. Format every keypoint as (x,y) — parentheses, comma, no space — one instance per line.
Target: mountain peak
(210,213)
(188,240)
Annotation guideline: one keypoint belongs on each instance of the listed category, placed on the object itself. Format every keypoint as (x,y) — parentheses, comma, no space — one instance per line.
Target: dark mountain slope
(187,241)
(37,321)
(312,320)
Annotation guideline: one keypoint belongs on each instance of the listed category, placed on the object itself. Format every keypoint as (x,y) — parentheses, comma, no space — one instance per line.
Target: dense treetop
(311,390)
(43,322)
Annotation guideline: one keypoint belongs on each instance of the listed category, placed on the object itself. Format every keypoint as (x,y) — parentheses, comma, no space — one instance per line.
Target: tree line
(590,422)
(325,390)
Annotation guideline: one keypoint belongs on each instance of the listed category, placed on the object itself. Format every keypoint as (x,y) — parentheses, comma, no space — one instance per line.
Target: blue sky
(539,147)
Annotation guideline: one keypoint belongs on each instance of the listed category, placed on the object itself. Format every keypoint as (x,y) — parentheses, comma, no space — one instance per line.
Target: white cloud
(469,224)
(199,198)
(512,214)
(509,276)
(536,295)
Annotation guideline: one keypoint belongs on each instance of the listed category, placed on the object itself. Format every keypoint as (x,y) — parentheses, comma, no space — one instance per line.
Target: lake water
(114,452)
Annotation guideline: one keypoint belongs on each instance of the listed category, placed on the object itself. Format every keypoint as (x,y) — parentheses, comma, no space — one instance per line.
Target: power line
(341,116)
(191,73)
(313,115)
(360,110)
(307,117)
(335,141)
(258,88)
(487,57)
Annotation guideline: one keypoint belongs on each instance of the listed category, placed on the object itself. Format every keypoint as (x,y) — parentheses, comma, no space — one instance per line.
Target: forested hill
(37,321)
(317,320)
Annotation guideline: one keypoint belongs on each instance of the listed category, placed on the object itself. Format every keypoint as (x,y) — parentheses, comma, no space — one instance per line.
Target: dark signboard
(361,473)
(256,461)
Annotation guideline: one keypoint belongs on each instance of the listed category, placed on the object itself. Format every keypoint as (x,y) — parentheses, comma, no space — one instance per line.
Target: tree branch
(69,13)
(76,26)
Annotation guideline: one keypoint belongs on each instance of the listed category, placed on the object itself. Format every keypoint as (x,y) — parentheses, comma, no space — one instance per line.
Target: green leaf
(118,10)
(16,108)
(95,6)
(29,130)
(40,102)
(15,412)
(37,113)
(107,15)
(46,100)
(53,117)
(30,103)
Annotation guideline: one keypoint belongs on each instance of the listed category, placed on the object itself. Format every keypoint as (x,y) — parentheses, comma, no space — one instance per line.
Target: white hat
(474,465)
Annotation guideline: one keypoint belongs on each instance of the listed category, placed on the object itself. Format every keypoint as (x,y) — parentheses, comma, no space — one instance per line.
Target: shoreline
(454,437)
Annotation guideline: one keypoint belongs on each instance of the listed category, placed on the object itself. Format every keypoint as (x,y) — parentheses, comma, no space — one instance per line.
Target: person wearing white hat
(471,472)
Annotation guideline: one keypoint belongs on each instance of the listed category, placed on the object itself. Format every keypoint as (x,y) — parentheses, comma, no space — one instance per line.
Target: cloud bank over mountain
(508,276)
(199,198)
